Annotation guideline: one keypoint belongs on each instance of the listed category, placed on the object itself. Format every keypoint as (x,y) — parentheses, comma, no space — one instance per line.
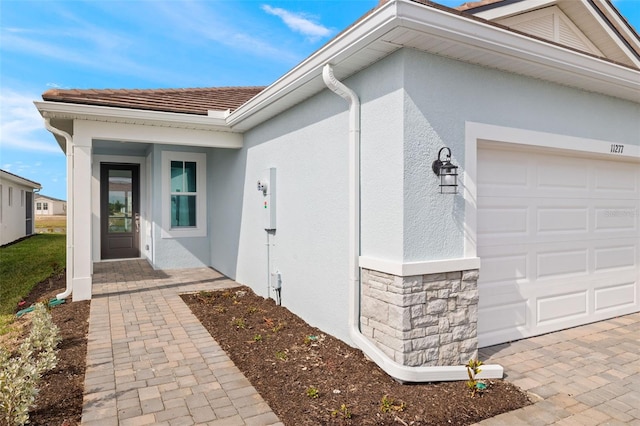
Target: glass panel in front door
(120,201)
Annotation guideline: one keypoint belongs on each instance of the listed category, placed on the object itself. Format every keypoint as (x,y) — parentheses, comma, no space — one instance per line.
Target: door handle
(137,219)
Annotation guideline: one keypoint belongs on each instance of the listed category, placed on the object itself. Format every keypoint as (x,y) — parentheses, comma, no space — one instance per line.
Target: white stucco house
(324,182)
(16,207)
(49,206)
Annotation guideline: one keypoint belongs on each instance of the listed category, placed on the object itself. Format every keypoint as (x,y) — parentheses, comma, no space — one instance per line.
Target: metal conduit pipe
(69,151)
(398,371)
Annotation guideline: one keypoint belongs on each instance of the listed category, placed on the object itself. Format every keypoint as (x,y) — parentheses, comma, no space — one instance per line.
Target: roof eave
(8,176)
(613,79)
(72,111)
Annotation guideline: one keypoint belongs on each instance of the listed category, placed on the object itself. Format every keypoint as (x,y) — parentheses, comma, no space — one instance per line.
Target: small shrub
(313,392)
(343,412)
(473,369)
(282,356)
(239,323)
(278,327)
(257,338)
(388,404)
(20,374)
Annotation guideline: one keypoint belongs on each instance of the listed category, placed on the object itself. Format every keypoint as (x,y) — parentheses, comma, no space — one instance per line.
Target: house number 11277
(617,149)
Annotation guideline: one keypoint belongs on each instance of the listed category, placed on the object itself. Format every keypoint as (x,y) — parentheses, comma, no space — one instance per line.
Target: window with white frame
(38,206)
(45,206)
(184,194)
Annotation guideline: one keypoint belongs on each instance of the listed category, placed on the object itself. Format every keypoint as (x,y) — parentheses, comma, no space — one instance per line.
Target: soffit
(433,30)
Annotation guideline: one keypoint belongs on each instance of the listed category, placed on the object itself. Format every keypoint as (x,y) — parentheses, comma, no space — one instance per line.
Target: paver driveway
(588,375)
(150,361)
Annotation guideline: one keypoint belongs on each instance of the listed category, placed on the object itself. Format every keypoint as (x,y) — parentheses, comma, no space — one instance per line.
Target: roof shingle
(187,101)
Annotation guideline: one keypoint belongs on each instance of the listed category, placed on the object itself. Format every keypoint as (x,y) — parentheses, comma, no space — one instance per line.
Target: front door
(120,210)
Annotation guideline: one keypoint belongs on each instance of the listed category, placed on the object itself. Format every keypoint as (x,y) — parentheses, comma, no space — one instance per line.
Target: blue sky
(48,44)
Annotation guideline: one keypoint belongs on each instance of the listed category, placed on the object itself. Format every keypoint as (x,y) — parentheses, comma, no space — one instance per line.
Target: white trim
(614,36)
(476,133)
(49,109)
(407,269)
(571,67)
(200,230)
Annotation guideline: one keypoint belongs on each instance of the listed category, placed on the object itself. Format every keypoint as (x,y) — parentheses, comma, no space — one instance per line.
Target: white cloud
(199,21)
(299,22)
(21,126)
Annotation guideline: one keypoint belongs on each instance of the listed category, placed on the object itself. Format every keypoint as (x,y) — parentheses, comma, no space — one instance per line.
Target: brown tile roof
(474,4)
(188,101)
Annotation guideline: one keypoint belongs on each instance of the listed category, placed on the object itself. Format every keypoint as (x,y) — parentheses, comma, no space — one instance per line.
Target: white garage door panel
(559,242)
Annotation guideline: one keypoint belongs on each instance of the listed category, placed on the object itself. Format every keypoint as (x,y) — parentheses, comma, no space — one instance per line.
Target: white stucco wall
(307,146)
(13,217)
(412,105)
(442,94)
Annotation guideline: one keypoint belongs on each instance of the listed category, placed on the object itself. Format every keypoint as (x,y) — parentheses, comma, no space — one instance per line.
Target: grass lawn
(25,264)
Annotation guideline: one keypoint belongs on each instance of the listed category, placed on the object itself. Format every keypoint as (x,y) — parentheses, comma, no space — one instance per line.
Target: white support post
(82,261)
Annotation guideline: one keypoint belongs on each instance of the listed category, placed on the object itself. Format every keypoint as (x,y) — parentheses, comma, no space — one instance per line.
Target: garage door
(559,241)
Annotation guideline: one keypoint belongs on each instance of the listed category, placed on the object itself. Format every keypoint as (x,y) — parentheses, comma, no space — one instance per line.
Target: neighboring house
(336,199)
(48,206)
(16,207)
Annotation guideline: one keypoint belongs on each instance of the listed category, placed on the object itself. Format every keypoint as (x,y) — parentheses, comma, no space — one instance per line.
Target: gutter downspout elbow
(396,370)
(69,256)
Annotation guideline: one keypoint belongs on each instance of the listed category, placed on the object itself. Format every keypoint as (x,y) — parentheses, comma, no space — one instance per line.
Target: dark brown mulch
(59,401)
(286,360)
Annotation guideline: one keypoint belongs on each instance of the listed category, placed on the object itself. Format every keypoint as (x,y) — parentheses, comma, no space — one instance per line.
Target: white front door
(559,241)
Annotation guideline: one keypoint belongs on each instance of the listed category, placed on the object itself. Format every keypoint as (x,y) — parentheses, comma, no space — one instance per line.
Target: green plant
(343,412)
(252,310)
(278,327)
(257,338)
(25,264)
(20,374)
(388,404)
(313,392)
(473,369)
(239,323)
(308,340)
(282,356)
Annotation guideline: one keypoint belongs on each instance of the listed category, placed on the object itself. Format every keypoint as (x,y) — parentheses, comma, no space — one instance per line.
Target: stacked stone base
(423,320)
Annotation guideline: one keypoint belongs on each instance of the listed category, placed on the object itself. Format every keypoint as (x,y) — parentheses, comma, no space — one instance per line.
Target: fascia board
(445,25)
(617,38)
(511,9)
(507,43)
(352,40)
(19,180)
(49,109)
(510,44)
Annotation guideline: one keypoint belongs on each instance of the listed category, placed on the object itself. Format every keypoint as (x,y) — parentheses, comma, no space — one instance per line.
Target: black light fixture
(448,173)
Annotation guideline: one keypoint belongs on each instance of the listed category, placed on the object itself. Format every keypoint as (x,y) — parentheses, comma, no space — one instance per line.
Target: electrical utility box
(267,185)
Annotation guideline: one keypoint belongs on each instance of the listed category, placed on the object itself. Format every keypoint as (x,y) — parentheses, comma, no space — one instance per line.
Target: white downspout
(398,371)
(69,152)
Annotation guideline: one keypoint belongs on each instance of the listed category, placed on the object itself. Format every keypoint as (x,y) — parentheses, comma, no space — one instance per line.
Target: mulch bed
(59,401)
(310,378)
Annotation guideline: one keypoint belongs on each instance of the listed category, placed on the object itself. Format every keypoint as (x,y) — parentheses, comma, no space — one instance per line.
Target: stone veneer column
(422,320)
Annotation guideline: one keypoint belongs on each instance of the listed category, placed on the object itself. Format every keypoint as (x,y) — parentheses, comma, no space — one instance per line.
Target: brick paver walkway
(588,375)
(150,361)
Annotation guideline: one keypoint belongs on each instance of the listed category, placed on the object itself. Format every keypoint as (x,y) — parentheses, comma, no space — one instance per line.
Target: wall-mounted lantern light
(448,173)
